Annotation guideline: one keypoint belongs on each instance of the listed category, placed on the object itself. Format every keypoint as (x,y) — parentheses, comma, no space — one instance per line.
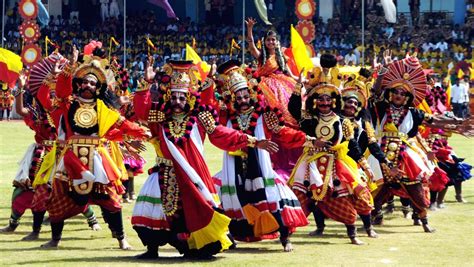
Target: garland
(250,129)
(398,118)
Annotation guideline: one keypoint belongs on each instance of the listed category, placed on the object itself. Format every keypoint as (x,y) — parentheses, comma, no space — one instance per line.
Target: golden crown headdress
(182,73)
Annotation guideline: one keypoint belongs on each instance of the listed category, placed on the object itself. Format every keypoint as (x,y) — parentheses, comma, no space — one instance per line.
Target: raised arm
(250,22)
(18,94)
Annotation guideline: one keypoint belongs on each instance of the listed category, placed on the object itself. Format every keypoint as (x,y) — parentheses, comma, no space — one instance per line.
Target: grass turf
(400,243)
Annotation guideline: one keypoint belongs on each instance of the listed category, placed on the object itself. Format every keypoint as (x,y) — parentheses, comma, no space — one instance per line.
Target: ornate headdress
(182,77)
(94,68)
(317,75)
(233,78)
(408,75)
(356,93)
(324,89)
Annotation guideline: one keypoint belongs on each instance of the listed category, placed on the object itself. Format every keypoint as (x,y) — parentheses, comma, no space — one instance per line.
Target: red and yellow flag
(202,66)
(298,53)
(10,66)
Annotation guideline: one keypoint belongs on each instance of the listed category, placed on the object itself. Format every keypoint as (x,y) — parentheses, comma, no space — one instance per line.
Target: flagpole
(3,21)
(243,31)
(363,33)
(124,33)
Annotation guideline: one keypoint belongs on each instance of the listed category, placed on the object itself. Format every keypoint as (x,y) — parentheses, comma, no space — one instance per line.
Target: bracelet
(17,91)
(382,71)
(252,141)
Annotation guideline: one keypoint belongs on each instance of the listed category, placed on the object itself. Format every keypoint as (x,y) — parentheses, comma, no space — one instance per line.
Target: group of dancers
(332,144)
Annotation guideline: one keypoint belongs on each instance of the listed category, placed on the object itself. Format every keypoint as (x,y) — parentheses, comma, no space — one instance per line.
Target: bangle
(17,91)
(251,141)
(382,71)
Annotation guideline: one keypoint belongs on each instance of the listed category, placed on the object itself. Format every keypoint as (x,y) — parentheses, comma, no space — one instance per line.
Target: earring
(357,111)
(315,103)
(406,101)
(333,103)
(390,97)
(97,92)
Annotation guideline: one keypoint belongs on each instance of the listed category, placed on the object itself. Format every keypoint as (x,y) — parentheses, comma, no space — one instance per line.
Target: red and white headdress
(408,75)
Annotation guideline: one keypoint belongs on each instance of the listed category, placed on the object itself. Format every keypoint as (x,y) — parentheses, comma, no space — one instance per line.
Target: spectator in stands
(460,99)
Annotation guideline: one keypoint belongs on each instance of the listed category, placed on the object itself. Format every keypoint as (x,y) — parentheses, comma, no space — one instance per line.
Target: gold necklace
(86,115)
(178,127)
(243,119)
(325,128)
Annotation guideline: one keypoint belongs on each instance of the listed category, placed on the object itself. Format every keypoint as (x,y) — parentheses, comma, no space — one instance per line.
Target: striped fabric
(148,211)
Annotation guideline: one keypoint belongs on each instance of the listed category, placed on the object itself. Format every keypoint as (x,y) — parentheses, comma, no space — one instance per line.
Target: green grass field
(400,243)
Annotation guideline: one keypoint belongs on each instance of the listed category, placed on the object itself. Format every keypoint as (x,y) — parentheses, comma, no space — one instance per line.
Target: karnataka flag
(202,66)
(298,53)
(10,66)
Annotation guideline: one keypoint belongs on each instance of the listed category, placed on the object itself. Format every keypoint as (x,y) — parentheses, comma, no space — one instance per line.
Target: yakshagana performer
(90,166)
(254,195)
(396,122)
(28,192)
(6,100)
(326,174)
(178,202)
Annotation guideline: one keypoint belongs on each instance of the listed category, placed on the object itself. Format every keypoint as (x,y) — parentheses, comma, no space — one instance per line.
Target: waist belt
(394,134)
(160,160)
(83,140)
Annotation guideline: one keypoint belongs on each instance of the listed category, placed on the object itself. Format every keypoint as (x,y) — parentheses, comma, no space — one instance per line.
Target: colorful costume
(253,194)
(177,204)
(395,126)
(6,100)
(328,177)
(90,166)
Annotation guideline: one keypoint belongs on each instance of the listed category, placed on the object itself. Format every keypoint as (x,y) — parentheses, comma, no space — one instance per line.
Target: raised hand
(250,22)
(267,145)
(22,79)
(150,72)
(56,68)
(301,78)
(387,57)
(75,55)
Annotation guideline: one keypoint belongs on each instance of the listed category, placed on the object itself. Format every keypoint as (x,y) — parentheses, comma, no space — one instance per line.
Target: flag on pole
(390,10)
(10,66)
(233,45)
(298,53)
(202,66)
(447,80)
(166,6)
(262,11)
(150,43)
(112,39)
(48,42)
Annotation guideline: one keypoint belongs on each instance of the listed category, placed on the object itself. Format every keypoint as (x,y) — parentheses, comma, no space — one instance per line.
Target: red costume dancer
(90,166)
(177,204)
(29,193)
(396,122)
(6,100)
(253,194)
(457,170)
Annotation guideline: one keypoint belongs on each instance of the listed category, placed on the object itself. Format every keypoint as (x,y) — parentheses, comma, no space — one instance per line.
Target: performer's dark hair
(328,61)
